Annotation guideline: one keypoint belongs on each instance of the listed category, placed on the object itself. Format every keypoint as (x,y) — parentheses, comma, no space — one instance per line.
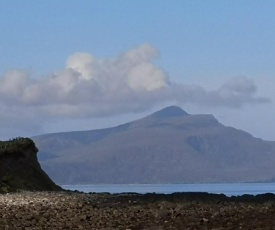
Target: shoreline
(231,189)
(192,210)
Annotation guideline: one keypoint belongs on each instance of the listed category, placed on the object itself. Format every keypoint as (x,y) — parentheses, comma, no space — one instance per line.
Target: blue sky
(207,56)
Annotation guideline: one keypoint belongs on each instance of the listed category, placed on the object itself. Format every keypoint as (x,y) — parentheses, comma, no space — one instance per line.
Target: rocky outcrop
(64,210)
(20,169)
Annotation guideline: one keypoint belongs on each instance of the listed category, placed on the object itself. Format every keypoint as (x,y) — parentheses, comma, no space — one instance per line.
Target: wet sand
(73,210)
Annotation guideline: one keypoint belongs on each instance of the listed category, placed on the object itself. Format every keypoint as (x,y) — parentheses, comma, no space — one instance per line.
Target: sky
(89,64)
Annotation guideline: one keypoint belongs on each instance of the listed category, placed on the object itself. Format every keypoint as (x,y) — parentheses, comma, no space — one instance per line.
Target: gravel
(74,210)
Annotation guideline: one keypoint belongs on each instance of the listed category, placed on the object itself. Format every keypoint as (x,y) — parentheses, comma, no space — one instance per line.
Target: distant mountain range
(168,146)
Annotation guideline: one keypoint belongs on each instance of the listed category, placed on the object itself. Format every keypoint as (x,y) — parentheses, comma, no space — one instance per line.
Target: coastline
(229,189)
(193,210)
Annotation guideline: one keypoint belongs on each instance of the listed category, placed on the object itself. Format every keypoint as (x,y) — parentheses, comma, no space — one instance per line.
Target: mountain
(20,169)
(168,146)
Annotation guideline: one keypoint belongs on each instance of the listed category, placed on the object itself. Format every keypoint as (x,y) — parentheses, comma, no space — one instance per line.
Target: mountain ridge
(168,112)
(168,146)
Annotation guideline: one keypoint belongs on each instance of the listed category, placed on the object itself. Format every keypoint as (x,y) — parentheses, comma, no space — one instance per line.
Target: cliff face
(20,169)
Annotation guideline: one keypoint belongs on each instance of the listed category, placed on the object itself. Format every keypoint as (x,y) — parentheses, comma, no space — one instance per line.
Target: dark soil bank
(71,210)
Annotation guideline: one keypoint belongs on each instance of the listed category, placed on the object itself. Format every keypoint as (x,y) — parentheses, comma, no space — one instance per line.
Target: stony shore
(73,210)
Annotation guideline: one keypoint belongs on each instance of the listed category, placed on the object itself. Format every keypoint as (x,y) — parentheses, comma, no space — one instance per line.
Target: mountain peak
(170,111)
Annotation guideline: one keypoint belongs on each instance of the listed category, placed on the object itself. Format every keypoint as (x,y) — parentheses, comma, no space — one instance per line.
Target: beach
(75,210)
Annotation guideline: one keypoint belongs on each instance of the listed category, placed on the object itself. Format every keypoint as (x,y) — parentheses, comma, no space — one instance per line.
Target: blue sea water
(235,189)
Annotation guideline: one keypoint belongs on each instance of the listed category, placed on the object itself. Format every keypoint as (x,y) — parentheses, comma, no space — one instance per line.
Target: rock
(20,169)
(204,220)
(26,210)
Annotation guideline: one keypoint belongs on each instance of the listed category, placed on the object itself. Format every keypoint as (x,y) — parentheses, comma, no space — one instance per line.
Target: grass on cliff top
(16,145)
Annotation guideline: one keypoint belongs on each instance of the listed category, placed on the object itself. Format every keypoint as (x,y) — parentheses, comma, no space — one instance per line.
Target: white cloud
(12,84)
(82,63)
(90,87)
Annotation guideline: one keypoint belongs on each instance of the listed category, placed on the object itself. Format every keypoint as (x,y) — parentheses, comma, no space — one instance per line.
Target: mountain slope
(168,146)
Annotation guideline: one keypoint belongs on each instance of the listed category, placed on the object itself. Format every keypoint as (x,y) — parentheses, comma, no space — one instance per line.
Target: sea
(232,189)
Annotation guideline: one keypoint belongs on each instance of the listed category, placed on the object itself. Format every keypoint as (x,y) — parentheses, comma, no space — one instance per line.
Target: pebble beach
(75,210)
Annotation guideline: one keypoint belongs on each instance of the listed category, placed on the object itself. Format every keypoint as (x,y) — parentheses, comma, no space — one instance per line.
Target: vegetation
(16,145)
(19,168)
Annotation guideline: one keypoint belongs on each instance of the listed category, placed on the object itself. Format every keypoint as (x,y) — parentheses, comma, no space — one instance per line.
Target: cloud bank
(91,87)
